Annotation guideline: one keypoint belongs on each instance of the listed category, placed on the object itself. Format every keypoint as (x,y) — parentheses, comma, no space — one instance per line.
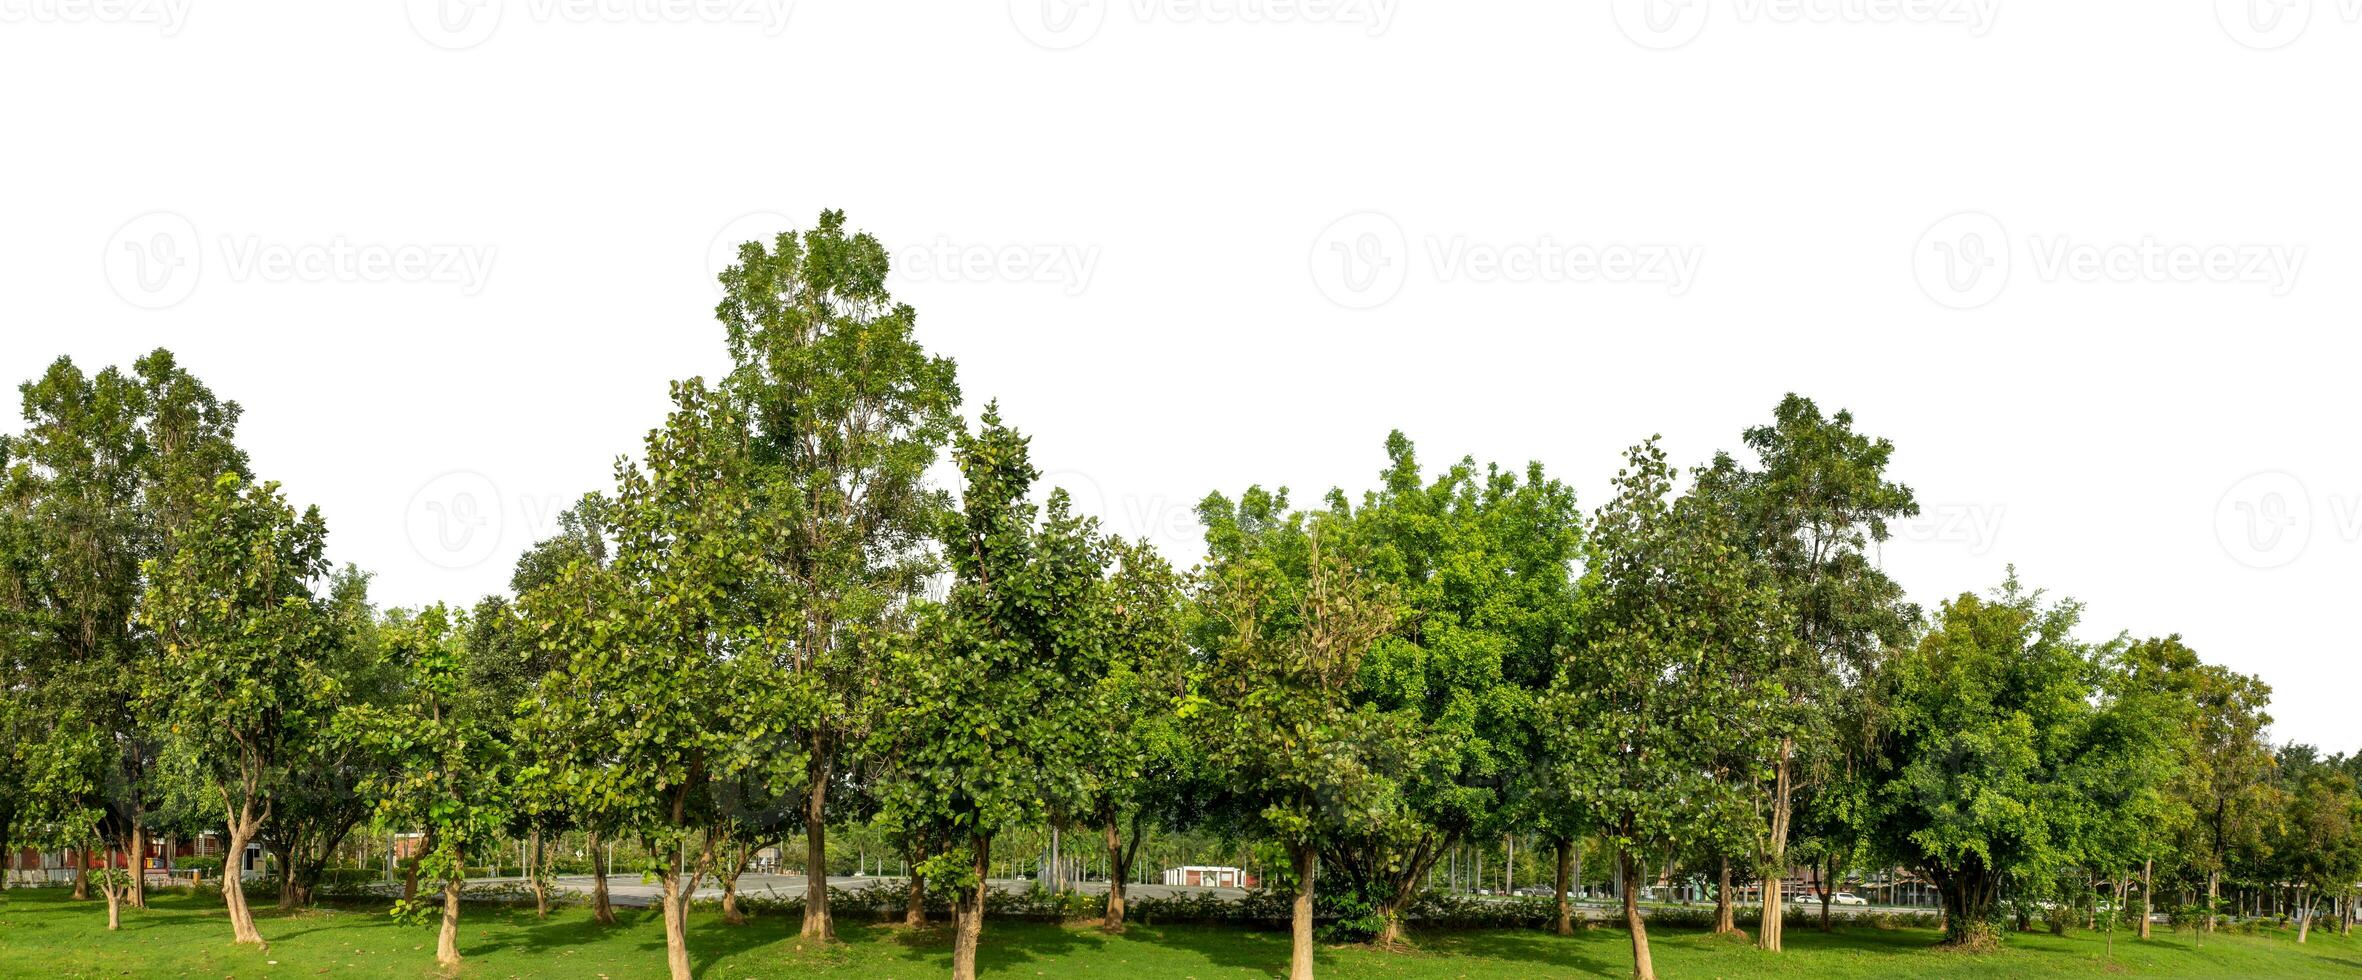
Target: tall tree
(2317,841)
(1138,757)
(231,600)
(845,413)
(1677,622)
(108,468)
(997,701)
(1811,508)
(321,800)
(1289,624)
(663,694)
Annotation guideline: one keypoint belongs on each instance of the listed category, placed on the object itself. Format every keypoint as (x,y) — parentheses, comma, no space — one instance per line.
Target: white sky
(1779,185)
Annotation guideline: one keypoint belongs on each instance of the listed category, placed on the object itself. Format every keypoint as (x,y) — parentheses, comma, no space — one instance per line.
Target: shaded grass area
(44,934)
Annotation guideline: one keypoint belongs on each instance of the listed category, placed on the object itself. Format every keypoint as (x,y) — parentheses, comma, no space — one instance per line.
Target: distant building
(1207,876)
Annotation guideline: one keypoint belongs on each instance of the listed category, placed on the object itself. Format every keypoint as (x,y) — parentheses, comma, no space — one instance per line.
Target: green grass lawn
(44,934)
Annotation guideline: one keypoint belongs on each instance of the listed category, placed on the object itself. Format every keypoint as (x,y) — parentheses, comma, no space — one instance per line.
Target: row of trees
(773,623)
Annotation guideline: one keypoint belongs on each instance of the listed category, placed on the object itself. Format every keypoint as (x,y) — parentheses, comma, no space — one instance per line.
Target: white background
(1229,173)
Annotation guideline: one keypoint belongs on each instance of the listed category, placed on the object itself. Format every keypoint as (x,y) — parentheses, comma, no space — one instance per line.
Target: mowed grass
(44,934)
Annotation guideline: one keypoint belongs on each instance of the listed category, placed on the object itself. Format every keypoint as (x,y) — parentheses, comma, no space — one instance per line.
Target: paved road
(630,891)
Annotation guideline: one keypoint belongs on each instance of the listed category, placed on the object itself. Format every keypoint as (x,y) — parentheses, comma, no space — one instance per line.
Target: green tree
(845,412)
(1677,620)
(2317,840)
(663,695)
(995,702)
(321,800)
(1139,758)
(1993,733)
(446,762)
(1289,623)
(231,600)
(1816,502)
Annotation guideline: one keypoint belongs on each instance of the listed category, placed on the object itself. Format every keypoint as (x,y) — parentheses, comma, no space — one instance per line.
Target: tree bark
(1642,968)
(534,872)
(2304,915)
(1825,885)
(602,910)
(914,909)
(1118,865)
(817,924)
(139,863)
(1968,900)
(447,940)
(1305,860)
(968,924)
(731,913)
(676,924)
(1772,934)
(284,854)
(2148,901)
(81,874)
(1561,885)
(2213,892)
(1726,919)
(233,886)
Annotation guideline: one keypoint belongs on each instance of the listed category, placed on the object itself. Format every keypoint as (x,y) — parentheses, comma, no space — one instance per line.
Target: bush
(208,863)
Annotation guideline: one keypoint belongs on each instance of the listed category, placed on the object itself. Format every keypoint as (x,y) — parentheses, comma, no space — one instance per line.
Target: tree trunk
(1561,885)
(731,914)
(968,923)
(81,875)
(914,909)
(676,920)
(284,854)
(817,924)
(233,886)
(602,910)
(2304,915)
(447,941)
(1770,936)
(1726,919)
(1629,874)
(1305,860)
(114,903)
(139,863)
(2148,901)
(534,872)
(1825,885)
(1968,901)
(1117,867)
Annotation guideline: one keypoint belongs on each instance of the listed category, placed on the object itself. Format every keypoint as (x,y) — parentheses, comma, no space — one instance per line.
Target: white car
(1847,898)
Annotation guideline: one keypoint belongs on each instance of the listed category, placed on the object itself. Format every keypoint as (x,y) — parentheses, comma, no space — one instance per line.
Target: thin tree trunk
(1561,885)
(676,924)
(114,901)
(2213,894)
(817,924)
(2148,901)
(2304,915)
(81,874)
(447,941)
(1305,860)
(1726,920)
(284,854)
(139,863)
(731,913)
(1117,867)
(1642,969)
(1770,936)
(602,909)
(534,873)
(1825,885)
(968,926)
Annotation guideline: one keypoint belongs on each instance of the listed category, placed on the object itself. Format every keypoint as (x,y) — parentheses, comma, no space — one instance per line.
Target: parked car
(1536,891)
(1847,898)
